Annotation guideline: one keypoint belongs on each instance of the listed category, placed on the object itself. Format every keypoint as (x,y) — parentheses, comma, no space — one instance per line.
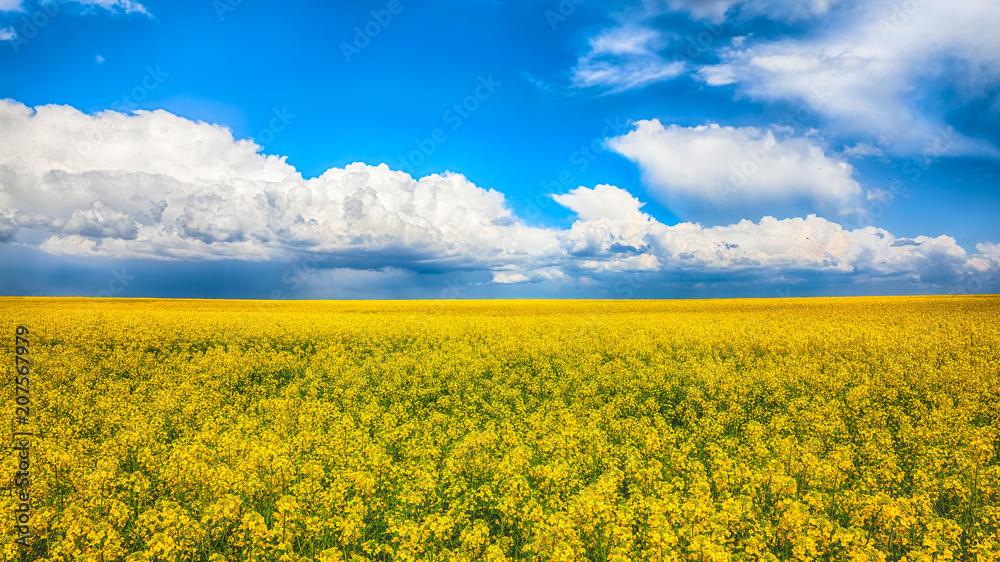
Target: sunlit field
(789,429)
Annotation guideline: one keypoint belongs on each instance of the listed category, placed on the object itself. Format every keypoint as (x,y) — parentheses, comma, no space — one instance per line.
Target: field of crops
(835,429)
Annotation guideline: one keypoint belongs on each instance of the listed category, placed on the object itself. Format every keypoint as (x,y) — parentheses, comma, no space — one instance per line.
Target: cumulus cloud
(987,259)
(154,186)
(8,228)
(611,231)
(742,168)
(11,6)
(622,238)
(507,278)
(810,243)
(603,202)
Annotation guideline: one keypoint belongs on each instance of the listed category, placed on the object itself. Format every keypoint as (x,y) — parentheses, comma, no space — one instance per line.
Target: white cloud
(629,54)
(805,243)
(624,58)
(611,225)
(718,75)
(875,71)
(127,6)
(714,10)
(863,150)
(879,194)
(603,202)
(511,276)
(735,167)
(988,258)
(156,186)
(8,227)
(717,10)
(99,59)
(47,10)
(863,70)
(641,262)
(507,278)
(634,241)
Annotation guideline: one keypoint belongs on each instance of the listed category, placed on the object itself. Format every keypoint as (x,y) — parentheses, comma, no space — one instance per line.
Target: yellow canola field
(789,429)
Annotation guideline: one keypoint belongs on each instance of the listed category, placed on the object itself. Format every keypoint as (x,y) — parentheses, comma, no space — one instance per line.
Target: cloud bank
(155,186)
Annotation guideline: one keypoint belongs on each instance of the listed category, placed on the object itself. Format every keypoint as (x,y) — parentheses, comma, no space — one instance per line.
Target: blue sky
(523,148)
